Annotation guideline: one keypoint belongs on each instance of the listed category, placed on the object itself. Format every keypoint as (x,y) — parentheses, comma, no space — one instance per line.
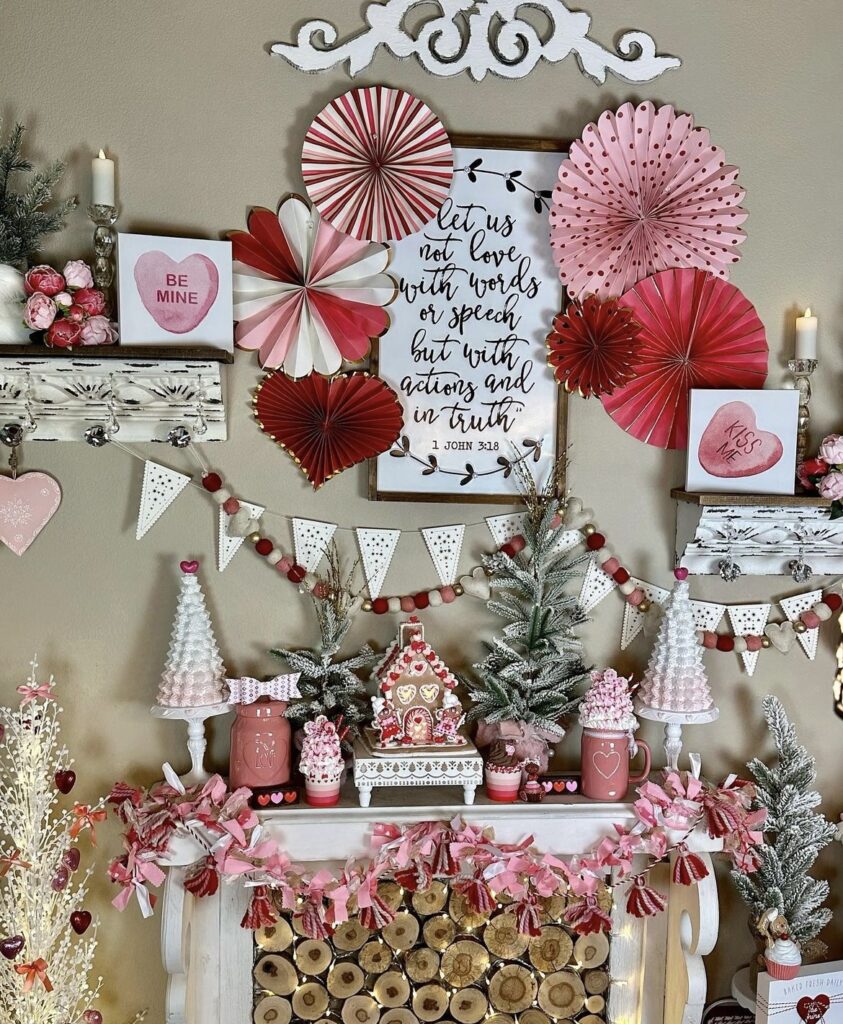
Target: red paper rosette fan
(327,426)
(644,190)
(377,163)
(697,331)
(592,347)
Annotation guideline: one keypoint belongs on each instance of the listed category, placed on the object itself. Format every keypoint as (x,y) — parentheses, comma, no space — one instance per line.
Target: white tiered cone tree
(675,687)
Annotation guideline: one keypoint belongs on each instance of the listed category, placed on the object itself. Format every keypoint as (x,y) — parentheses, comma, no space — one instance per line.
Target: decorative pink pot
(260,745)
(605,764)
(502,784)
(322,792)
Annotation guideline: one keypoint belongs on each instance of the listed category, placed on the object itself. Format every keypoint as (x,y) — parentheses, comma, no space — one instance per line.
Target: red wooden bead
(508,549)
(620,575)
(595,541)
(725,643)
(834,601)
(297,573)
(422,600)
(264,546)
(212,482)
(518,542)
(380,606)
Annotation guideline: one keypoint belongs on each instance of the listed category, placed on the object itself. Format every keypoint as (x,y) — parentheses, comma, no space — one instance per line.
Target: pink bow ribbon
(43,691)
(36,971)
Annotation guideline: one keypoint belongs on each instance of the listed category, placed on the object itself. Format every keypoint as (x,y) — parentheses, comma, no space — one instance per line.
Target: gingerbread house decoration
(416,705)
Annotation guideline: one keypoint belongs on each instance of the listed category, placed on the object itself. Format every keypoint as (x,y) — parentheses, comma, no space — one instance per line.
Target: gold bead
(765,642)
(458,590)
(488,571)
(367,606)
(644,607)
(799,626)
(254,538)
(589,529)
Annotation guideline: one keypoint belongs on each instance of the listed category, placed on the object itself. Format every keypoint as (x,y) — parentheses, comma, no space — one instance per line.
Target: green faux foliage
(26,213)
(533,667)
(794,834)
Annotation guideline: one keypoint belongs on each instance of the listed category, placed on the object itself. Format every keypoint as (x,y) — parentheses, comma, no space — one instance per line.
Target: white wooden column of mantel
(656,963)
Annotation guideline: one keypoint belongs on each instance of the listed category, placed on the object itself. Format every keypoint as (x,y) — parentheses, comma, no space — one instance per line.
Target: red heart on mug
(732,446)
(80,921)
(178,296)
(65,781)
(813,1008)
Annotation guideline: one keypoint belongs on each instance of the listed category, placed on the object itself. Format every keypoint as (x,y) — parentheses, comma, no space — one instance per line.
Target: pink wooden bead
(285,564)
(448,594)
(753,643)
(610,566)
(556,522)
(320,589)
(811,619)
(408,604)
(518,543)
(709,640)
(635,598)
(230,506)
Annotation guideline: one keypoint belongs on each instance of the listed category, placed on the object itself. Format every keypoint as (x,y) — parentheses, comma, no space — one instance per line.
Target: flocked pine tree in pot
(526,684)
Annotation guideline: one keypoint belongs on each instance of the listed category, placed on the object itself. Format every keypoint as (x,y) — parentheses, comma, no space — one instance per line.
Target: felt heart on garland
(781,635)
(812,1009)
(27,504)
(327,426)
(732,446)
(477,584)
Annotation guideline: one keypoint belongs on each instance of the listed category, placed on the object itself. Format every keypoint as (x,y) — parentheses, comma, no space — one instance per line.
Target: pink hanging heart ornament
(27,503)
(732,446)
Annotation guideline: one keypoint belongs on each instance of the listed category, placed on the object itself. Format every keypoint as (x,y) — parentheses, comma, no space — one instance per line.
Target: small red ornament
(212,482)
(71,858)
(60,879)
(264,546)
(725,643)
(595,541)
(65,781)
(380,606)
(80,921)
(92,1017)
(620,575)
(422,600)
(297,574)
(833,601)
(508,550)
(11,946)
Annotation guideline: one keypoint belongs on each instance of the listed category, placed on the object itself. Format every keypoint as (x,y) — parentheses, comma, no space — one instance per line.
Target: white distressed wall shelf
(763,534)
(150,389)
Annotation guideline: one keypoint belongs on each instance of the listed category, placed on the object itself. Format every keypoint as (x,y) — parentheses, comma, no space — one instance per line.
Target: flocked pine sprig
(794,834)
(26,213)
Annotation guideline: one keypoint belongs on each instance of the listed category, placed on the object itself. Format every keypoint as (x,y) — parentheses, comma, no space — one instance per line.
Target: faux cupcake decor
(322,762)
(503,772)
(608,720)
(782,956)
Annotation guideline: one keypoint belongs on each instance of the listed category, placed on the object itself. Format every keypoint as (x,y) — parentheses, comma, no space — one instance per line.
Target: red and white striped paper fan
(377,163)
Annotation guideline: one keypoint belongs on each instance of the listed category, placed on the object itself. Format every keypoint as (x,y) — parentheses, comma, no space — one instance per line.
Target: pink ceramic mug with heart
(606,754)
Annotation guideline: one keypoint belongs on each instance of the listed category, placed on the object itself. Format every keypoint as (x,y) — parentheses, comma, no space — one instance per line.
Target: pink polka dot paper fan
(377,163)
(644,190)
(697,331)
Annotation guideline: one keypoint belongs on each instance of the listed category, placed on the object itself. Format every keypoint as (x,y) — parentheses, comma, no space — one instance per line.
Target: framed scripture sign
(466,351)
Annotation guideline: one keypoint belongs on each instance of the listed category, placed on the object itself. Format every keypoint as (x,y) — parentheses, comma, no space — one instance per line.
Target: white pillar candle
(806,336)
(102,170)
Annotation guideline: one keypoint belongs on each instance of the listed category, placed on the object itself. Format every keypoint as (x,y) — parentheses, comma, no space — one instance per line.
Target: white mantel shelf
(656,963)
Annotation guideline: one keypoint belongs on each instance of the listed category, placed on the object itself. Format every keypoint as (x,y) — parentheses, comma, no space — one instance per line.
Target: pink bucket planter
(322,792)
(605,764)
(502,784)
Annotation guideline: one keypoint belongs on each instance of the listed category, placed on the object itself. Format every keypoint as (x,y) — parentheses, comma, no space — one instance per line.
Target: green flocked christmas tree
(25,212)
(794,835)
(329,685)
(533,667)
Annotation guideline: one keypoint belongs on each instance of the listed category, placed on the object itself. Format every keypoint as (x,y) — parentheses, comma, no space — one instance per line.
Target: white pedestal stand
(673,722)
(196,742)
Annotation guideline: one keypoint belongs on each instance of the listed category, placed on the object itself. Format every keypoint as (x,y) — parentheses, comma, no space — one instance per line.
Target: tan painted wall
(205,124)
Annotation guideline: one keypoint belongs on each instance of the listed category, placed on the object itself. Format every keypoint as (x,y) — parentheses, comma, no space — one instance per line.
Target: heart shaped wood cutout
(732,445)
(178,296)
(325,425)
(27,504)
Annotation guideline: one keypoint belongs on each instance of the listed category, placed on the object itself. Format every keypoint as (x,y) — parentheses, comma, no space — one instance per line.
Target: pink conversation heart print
(177,296)
(27,504)
(732,445)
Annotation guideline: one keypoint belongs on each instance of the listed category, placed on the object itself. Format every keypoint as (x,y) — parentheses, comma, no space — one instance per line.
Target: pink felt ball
(321,590)
(680,573)
(230,506)
(448,595)
(284,564)
(635,598)
(610,566)
(517,543)
(556,522)
(709,640)
(811,619)
(408,604)
(753,643)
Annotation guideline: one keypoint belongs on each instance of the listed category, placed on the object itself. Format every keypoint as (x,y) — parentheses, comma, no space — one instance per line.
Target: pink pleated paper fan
(697,331)
(377,163)
(644,190)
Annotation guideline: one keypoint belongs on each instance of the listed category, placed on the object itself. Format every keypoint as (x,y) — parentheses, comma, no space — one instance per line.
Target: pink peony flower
(64,299)
(39,312)
(91,300)
(43,279)
(78,274)
(76,314)
(63,334)
(832,449)
(811,468)
(831,486)
(98,330)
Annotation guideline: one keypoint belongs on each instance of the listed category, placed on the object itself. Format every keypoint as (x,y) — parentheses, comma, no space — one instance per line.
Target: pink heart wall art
(733,446)
(27,504)
(177,295)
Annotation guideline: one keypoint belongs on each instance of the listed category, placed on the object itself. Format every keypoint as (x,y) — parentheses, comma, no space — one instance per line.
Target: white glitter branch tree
(47,938)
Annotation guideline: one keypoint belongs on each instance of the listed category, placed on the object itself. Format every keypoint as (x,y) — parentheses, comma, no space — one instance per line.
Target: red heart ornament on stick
(11,946)
(732,446)
(65,781)
(813,1008)
(27,504)
(80,921)
(325,425)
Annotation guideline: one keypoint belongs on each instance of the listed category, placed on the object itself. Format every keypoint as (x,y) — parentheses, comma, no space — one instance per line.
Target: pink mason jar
(260,745)
(606,755)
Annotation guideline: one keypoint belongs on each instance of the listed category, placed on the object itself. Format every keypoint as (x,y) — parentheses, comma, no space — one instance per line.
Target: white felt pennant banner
(707,614)
(376,550)
(228,546)
(311,539)
(793,608)
(504,528)
(595,586)
(633,619)
(749,620)
(444,544)
(161,487)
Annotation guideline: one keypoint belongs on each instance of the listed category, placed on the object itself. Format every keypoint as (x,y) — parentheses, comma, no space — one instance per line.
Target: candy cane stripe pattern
(377,163)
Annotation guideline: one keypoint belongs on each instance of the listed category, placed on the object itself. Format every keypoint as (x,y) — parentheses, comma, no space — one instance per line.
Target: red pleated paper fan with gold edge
(328,425)
(697,331)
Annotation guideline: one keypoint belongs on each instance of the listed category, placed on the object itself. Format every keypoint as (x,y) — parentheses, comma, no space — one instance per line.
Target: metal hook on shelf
(112,425)
(30,424)
(201,420)
(12,435)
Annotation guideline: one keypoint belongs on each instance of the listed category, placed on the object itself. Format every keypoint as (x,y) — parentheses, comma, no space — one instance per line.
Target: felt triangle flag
(161,487)
(504,528)
(793,608)
(707,614)
(749,620)
(376,550)
(633,619)
(444,544)
(311,539)
(228,546)
(595,586)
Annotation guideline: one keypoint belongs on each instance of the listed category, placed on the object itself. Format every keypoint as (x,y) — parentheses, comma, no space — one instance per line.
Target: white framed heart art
(175,291)
(742,442)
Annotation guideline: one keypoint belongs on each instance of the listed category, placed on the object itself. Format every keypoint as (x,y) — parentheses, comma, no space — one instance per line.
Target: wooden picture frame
(381,487)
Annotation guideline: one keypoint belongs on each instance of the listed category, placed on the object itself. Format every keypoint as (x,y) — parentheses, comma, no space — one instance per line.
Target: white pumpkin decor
(12,329)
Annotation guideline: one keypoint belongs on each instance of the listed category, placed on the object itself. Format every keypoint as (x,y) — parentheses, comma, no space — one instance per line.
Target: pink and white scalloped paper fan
(644,190)
(377,163)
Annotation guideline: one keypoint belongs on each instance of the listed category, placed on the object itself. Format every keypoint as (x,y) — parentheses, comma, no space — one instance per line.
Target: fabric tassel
(204,880)
(312,923)
(478,895)
(443,860)
(587,917)
(688,868)
(377,915)
(416,878)
(260,912)
(527,916)
(644,901)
